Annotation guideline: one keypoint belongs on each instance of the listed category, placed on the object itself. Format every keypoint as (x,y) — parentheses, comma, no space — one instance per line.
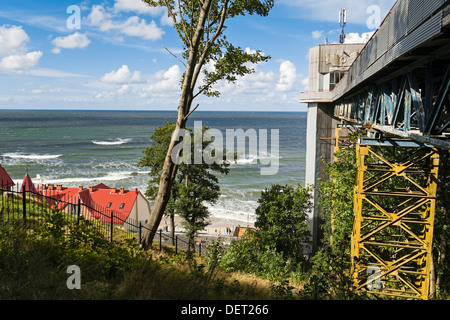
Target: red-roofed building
(6,182)
(129,207)
(28,184)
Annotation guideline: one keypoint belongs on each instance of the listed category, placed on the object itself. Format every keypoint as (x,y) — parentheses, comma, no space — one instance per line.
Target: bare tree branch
(210,43)
(174,55)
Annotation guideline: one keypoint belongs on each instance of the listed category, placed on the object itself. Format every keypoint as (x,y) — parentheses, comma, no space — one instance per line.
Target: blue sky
(116,59)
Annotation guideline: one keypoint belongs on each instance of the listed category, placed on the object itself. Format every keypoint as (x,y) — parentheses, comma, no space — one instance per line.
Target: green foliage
(282,220)
(195,183)
(201,27)
(316,289)
(247,254)
(274,251)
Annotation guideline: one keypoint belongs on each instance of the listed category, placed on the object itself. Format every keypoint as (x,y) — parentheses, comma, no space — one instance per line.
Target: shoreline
(218,226)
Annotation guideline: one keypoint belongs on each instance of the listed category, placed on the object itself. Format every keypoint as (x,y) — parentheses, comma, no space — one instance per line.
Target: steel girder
(394,206)
(415,105)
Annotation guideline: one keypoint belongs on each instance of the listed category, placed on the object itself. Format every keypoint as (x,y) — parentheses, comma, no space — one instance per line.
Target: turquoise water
(83,148)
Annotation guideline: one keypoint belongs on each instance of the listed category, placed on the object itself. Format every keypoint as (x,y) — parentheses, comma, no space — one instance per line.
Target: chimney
(122,191)
(113,190)
(136,190)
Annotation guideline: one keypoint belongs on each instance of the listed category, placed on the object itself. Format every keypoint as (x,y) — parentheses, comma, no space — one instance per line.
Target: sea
(83,148)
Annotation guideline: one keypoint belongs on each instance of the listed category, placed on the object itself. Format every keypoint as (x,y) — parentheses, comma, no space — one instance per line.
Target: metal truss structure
(406,106)
(394,217)
(398,86)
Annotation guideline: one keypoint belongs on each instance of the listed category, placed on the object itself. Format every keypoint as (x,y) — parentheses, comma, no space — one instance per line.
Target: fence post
(140,232)
(78,211)
(200,248)
(176,244)
(112,216)
(24,207)
(160,240)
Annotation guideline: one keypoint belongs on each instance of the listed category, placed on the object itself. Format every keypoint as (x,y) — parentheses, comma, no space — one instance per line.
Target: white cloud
(305,84)
(139,28)
(122,76)
(317,34)
(138,6)
(167,80)
(12,40)
(21,62)
(133,26)
(124,89)
(73,41)
(356,38)
(288,76)
(13,50)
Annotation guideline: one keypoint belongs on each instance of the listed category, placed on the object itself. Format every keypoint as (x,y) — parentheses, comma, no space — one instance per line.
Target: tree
(442,228)
(194,184)
(154,160)
(282,219)
(200,26)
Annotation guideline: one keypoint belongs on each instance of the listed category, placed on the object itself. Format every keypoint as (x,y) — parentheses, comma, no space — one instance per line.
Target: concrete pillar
(320,147)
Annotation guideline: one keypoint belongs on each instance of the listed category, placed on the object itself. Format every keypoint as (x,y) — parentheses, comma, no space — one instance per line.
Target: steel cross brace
(394,206)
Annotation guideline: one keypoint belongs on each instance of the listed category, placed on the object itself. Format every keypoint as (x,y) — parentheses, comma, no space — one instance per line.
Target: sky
(111,54)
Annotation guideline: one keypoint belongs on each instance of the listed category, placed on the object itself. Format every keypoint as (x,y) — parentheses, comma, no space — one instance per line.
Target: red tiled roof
(100,186)
(28,184)
(103,197)
(58,197)
(5,179)
(100,200)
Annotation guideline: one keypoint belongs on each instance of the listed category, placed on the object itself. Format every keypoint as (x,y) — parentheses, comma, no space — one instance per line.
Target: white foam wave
(235,209)
(253,159)
(109,177)
(111,142)
(33,156)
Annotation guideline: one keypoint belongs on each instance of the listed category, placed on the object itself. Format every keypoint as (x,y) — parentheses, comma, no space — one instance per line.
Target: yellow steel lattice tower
(394,217)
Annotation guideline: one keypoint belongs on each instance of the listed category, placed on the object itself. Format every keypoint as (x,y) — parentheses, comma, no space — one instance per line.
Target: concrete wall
(320,148)
(140,211)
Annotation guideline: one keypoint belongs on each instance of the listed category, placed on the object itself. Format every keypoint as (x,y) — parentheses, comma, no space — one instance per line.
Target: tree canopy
(201,26)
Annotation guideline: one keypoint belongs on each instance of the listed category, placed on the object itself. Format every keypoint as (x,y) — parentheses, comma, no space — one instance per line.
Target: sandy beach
(218,226)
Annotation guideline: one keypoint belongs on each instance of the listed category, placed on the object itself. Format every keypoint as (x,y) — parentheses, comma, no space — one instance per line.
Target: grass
(34,262)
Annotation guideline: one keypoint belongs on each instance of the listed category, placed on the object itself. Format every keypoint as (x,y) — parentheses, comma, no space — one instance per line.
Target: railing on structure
(27,209)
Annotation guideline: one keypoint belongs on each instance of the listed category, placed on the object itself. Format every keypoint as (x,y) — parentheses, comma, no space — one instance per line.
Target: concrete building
(328,65)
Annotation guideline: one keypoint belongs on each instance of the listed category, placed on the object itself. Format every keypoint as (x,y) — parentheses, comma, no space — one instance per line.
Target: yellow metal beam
(394,207)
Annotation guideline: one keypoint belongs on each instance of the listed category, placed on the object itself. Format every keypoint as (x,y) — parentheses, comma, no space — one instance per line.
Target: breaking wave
(115,142)
(32,156)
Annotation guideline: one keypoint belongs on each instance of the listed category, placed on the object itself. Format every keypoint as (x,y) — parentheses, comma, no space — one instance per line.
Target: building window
(122,205)
(335,78)
(109,205)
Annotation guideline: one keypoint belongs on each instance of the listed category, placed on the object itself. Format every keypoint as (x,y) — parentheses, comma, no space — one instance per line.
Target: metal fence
(28,209)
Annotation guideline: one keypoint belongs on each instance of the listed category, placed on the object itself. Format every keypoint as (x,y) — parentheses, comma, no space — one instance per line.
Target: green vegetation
(331,265)
(202,30)
(265,263)
(34,262)
(194,184)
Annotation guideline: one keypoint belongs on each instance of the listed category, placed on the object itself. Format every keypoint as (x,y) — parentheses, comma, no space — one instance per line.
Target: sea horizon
(168,111)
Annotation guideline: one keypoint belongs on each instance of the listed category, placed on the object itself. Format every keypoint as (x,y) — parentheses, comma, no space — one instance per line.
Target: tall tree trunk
(432,293)
(441,261)
(170,169)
